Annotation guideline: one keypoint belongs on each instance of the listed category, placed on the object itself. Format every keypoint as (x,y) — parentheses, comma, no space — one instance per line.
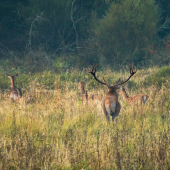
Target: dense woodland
(69,33)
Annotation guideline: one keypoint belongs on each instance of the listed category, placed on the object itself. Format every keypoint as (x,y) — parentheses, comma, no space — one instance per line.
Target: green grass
(57,131)
(159,78)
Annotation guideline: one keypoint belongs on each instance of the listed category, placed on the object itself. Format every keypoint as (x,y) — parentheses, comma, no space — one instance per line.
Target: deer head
(117,84)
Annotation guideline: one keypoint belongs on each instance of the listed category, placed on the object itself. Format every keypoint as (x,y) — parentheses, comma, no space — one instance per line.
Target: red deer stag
(15,92)
(111,105)
(138,99)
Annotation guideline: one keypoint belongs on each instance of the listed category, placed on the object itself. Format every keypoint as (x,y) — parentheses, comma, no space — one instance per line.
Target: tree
(127,30)
(164,5)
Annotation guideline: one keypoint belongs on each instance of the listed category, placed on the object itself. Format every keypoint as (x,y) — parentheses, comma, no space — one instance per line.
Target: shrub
(158,78)
(126,31)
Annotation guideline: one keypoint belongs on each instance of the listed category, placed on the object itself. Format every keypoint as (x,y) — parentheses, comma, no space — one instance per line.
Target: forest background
(37,35)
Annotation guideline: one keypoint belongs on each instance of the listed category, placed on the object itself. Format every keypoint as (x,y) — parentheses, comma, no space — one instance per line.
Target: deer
(84,94)
(111,105)
(137,99)
(15,92)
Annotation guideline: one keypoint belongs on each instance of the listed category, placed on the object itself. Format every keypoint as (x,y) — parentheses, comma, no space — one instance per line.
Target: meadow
(57,131)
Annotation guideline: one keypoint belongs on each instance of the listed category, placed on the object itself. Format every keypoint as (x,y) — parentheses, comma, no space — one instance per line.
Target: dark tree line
(86,30)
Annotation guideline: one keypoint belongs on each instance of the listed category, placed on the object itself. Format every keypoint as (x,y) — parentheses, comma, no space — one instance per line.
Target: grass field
(57,131)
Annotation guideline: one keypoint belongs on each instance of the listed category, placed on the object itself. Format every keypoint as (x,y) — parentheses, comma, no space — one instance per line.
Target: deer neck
(12,82)
(124,95)
(82,91)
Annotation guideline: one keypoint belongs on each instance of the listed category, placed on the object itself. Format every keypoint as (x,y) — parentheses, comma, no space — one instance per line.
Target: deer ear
(85,80)
(8,75)
(108,85)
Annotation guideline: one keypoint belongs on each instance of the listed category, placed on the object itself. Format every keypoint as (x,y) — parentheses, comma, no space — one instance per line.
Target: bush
(127,30)
(158,78)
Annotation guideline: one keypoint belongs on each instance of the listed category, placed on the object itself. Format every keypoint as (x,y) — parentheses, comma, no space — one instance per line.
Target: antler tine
(135,71)
(104,80)
(117,81)
(95,68)
(131,69)
(107,84)
(92,69)
(93,73)
(131,74)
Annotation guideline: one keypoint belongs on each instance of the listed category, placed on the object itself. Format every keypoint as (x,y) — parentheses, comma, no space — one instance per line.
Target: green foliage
(45,80)
(4,82)
(132,84)
(159,78)
(59,66)
(83,31)
(11,25)
(127,30)
(5,68)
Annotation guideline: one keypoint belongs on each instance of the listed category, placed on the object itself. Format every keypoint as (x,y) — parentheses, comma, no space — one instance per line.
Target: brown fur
(15,92)
(138,99)
(111,105)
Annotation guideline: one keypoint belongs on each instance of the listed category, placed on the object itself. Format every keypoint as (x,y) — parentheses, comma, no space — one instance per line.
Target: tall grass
(57,131)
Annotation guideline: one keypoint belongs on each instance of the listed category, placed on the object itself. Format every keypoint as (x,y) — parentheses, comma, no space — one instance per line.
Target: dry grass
(57,131)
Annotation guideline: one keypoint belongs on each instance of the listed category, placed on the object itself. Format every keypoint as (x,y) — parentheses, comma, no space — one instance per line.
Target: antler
(131,70)
(93,71)
(131,74)
(117,81)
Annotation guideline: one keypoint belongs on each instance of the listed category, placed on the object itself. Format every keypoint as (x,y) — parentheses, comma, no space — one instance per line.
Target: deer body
(138,99)
(111,105)
(84,94)
(15,92)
